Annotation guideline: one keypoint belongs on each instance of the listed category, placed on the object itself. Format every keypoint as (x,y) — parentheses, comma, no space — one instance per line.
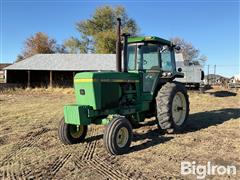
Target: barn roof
(66,62)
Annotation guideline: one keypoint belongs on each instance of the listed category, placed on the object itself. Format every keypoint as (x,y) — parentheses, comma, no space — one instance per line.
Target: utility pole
(208,74)
(215,73)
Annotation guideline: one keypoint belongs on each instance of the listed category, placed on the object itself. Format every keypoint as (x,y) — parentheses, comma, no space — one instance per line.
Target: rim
(76,131)
(122,137)
(179,108)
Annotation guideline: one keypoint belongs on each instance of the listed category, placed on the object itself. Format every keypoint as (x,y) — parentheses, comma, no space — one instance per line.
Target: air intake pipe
(125,47)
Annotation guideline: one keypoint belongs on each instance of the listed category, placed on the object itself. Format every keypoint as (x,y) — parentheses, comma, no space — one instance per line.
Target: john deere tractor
(121,99)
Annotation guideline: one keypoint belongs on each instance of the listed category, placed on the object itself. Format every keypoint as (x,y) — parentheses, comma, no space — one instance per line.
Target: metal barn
(56,69)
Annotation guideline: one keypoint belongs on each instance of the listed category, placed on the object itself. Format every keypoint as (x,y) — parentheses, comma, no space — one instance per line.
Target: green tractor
(121,99)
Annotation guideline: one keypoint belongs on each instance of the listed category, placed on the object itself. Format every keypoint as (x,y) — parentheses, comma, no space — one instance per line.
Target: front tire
(172,107)
(118,136)
(71,134)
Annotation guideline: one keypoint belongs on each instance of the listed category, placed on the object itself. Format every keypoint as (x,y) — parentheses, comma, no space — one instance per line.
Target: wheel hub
(179,108)
(76,131)
(122,137)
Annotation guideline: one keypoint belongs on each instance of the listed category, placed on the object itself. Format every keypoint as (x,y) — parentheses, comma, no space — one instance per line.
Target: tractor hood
(101,90)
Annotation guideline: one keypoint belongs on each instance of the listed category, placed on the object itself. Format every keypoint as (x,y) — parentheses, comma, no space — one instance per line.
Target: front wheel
(71,134)
(118,136)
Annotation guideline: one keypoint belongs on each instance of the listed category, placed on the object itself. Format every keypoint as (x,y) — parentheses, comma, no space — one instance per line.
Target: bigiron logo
(201,171)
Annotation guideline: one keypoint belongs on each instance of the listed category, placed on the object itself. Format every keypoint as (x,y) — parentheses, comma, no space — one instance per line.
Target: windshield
(146,56)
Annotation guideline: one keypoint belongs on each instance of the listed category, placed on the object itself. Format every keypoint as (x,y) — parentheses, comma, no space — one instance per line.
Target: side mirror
(179,69)
(178,48)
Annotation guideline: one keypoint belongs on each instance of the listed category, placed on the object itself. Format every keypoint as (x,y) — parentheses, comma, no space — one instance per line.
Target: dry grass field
(30,149)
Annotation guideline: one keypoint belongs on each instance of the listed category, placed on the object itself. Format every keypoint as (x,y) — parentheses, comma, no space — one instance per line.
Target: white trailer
(234,82)
(193,71)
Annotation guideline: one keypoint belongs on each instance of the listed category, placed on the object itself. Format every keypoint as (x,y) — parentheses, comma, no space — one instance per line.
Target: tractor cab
(149,54)
(153,57)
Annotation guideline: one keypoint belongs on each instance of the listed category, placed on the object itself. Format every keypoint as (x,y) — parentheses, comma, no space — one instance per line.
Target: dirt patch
(30,149)
(3,140)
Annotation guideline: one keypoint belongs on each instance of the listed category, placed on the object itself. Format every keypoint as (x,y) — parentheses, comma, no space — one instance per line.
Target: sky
(212,26)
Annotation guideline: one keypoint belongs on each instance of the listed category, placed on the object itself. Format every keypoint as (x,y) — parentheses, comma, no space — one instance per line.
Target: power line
(222,65)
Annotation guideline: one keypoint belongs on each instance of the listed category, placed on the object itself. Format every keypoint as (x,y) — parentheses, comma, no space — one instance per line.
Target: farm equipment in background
(193,72)
(120,100)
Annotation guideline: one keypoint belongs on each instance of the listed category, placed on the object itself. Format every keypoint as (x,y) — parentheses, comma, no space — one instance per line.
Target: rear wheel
(71,134)
(118,136)
(172,107)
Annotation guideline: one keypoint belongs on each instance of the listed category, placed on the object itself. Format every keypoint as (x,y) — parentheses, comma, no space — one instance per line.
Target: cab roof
(148,38)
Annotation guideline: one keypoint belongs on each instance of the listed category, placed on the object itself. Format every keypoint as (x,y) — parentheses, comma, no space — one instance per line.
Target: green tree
(98,32)
(74,45)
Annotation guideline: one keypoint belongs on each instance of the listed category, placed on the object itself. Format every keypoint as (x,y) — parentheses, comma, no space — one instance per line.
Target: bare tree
(189,52)
(40,43)
(19,58)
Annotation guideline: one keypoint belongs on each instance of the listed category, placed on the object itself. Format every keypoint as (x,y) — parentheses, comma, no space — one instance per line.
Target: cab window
(166,59)
(131,57)
(148,56)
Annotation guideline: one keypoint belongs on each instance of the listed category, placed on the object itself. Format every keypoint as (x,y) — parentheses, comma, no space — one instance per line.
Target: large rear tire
(172,107)
(71,134)
(118,136)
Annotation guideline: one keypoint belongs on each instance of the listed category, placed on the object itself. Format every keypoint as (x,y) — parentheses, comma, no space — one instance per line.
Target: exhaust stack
(125,47)
(118,47)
